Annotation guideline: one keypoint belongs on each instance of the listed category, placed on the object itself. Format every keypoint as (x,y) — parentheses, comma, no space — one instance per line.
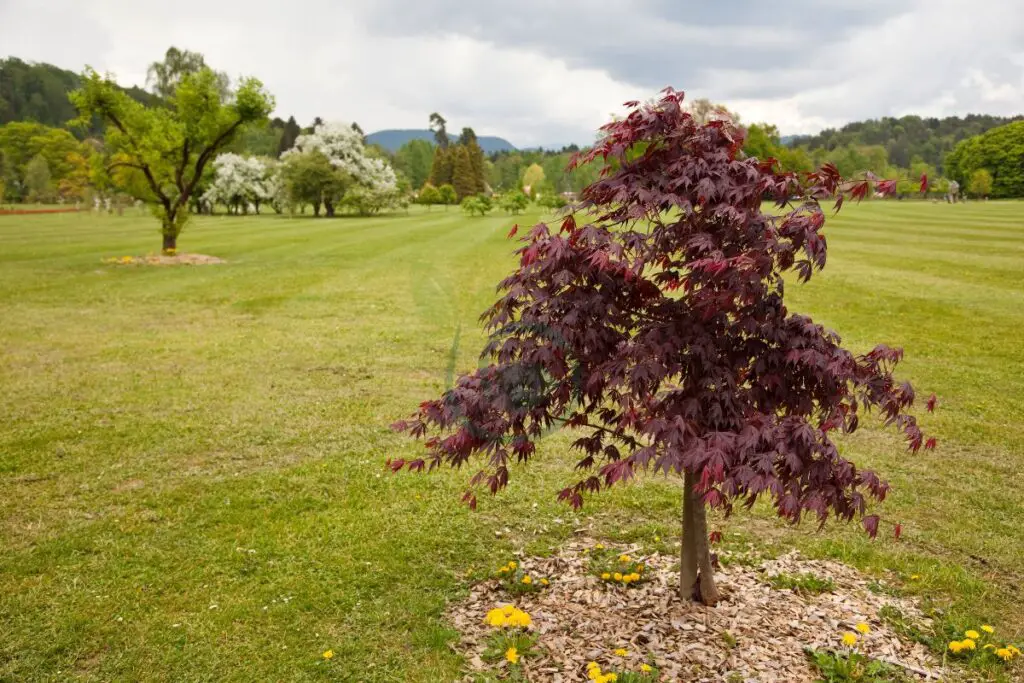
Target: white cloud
(548,73)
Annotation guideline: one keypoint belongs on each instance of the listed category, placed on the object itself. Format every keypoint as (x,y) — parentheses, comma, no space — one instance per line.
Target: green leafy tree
(170,147)
(415,159)
(463,178)
(22,141)
(514,201)
(448,195)
(476,204)
(37,180)
(429,196)
(164,77)
(1000,151)
(310,178)
(980,184)
(532,178)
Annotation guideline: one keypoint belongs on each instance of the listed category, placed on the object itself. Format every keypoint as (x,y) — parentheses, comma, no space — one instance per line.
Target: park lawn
(192,481)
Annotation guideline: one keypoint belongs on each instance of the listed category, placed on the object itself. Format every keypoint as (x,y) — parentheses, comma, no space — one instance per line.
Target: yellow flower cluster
(970,643)
(619,577)
(508,568)
(595,675)
(958,646)
(508,616)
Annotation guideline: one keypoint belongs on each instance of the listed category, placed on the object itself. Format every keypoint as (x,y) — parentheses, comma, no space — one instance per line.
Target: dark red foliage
(658,329)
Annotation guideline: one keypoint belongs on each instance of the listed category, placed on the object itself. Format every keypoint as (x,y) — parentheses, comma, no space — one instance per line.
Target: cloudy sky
(541,72)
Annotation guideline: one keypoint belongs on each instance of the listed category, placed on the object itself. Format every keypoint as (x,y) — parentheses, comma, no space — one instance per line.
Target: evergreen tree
(462,174)
(291,131)
(437,124)
(443,166)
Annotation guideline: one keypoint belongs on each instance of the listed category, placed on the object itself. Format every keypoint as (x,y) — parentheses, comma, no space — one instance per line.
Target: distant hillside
(906,138)
(39,92)
(391,140)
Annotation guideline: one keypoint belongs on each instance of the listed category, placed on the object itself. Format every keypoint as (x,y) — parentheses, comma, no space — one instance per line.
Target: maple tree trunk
(696,573)
(170,242)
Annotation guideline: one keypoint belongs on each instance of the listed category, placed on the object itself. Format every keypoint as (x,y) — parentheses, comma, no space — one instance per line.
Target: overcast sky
(549,72)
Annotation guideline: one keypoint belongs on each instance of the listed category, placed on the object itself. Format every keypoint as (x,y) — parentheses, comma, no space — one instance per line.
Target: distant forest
(39,93)
(906,139)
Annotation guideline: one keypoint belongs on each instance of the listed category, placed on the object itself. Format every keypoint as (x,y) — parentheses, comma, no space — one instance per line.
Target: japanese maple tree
(657,328)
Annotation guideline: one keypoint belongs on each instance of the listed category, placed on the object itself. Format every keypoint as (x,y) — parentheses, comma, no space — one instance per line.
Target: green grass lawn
(192,479)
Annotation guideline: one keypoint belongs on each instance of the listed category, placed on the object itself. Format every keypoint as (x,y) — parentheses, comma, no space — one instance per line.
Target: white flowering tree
(239,182)
(369,184)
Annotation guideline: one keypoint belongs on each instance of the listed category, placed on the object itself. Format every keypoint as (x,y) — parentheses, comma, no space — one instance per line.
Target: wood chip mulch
(757,633)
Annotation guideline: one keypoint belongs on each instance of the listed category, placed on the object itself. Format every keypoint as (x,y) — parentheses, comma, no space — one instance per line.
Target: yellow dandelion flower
(968,644)
(593,666)
(617,576)
(599,546)
(624,558)
(1013,650)
(657,539)
(849,639)
(520,618)
(1004,654)
(610,678)
(544,582)
(512,565)
(646,668)
(606,576)
(863,628)
(987,629)
(622,652)
(512,655)
(640,567)
(956,646)
(527,580)
(915,577)
(328,654)
(636,576)
(972,634)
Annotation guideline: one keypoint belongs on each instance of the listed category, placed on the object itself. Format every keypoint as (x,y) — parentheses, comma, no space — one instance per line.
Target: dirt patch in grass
(165,260)
(757,632)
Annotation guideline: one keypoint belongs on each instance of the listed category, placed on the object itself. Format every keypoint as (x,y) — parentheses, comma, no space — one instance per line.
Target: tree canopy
(1000,152)
(159,153)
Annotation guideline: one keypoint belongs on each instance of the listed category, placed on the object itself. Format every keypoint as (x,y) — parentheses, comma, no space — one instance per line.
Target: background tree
(429,196)
(462,175)
(659,330)
(164,77)
(514,201)
(476,205)
(415,159)
(37,180)
(359,169)
(310,178)
(437,124)
(980,184)
(170,147)
(476,159)
(1000,151)
(533,177)
(442,168)
(289,133)
(448,195)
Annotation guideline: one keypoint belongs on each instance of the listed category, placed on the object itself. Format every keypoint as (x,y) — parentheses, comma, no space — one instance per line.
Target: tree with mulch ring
(657,326)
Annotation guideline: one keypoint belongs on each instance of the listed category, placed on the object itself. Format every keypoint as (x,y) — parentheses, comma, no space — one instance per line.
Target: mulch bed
(165,260)
(580,618)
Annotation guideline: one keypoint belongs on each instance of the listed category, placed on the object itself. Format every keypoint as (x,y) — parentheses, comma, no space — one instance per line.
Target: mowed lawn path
(192,480)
